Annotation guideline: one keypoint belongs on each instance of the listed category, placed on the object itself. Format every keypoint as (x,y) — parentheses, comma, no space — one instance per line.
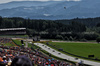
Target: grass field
(18,42)
(8,44)
(80,49)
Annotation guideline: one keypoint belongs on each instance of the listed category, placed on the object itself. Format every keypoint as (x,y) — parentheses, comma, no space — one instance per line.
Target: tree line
(74,29)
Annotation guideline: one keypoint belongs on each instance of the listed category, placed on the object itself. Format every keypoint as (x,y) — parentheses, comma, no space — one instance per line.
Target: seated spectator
(4,59)
(21,61)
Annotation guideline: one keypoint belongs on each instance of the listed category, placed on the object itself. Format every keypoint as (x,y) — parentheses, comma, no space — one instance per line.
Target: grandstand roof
(12,29)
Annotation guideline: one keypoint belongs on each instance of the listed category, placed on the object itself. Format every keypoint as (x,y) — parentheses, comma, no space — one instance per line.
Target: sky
(5,1)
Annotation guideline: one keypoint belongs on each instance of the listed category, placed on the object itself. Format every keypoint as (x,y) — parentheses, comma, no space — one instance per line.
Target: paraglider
(64,7)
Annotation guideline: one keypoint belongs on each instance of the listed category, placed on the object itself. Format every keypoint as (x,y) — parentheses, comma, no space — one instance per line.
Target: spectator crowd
(9,56)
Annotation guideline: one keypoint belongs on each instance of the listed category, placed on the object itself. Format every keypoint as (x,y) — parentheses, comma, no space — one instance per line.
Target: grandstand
(13,31)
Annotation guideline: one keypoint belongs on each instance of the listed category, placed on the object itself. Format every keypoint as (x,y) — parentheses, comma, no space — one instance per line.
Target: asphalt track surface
(64,56)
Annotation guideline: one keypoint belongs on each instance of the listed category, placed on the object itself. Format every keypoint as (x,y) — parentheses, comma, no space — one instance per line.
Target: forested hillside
(89,22)
(52,10)
(74,29)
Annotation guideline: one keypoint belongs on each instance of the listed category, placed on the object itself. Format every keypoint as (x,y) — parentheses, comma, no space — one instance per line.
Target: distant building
(13,31)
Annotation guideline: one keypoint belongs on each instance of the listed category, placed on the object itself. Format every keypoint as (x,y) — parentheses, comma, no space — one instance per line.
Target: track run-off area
(64,56)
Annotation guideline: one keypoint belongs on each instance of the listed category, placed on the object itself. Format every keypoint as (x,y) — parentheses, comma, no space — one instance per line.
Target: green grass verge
(18,42)
(56,44)
(8,44)
(80,49)
(55,57)
(60,45)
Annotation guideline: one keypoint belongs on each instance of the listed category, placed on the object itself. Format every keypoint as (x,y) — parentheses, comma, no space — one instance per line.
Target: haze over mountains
(51,10)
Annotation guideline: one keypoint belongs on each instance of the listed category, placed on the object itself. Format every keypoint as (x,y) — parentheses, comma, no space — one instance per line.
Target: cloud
(5,1)
(51,0)
(73,0)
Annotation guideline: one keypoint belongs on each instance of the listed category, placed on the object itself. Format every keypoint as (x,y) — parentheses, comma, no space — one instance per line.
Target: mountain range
(51,10)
